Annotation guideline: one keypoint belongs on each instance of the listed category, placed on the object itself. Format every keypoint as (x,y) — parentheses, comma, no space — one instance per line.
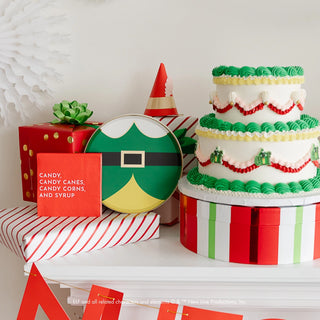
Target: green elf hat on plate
(161,102)
(141,162)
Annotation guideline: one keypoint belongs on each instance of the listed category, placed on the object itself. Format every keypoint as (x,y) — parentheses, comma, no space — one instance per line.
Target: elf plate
(141,162)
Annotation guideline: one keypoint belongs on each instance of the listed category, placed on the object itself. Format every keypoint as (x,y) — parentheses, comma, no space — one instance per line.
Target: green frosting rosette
(305,122)
(196,178)
(71,112)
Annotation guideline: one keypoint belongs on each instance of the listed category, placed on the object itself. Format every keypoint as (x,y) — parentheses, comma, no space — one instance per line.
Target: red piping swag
(259,107)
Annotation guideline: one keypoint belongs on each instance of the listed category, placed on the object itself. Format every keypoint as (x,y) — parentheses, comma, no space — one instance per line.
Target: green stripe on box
(297,235)
(212,230)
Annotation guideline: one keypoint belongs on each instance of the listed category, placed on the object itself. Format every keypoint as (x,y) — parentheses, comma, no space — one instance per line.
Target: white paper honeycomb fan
(26,56)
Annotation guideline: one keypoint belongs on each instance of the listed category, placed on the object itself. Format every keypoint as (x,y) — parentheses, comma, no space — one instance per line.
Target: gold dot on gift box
(56,135)
(31,172)
(25,147)
(25,176)
(30,153)
(28,194)
(70,139)
(45,137)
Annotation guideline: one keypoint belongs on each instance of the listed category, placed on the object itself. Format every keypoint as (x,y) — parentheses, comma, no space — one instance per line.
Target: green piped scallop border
(196,178)
(305,122)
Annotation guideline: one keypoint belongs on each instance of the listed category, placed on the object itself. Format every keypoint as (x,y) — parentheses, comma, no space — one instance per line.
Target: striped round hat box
(249,234)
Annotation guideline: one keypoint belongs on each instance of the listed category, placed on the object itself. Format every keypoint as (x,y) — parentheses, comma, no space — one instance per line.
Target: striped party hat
(161,101)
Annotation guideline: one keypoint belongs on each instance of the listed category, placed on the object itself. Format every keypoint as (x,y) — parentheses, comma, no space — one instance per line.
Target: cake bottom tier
(250,235)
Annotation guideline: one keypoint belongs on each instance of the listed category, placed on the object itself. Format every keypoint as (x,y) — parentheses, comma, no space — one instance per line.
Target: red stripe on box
(153,233)
(137,229)
(6,243)
(183,201)
(76,242)
(116,231)
(173,118)
(37,233)
(127,230)
(316,252)
(191,225)
(152,222)
(44,238)
(105,231)
(15,246)
(19,249)
(186,119)
(192,124)
(268,235)
(93,233)
(240,233)
(254,235)
(58,235)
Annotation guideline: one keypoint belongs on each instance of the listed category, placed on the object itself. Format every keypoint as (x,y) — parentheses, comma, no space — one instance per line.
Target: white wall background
(115,50)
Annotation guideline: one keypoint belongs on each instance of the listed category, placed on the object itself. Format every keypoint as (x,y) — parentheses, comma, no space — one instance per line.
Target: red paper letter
(103,304)
(189,313)
(37,293)
(167,311)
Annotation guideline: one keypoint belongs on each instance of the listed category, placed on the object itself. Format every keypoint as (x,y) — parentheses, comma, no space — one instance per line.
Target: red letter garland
(168,312)
(37,293)
(103,304)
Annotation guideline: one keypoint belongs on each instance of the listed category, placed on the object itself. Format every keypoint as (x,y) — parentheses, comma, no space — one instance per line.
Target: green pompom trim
(196,178)
(305,122)
(244,72)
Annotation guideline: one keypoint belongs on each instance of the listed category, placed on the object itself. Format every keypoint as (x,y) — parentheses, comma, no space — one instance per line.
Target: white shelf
(163,269)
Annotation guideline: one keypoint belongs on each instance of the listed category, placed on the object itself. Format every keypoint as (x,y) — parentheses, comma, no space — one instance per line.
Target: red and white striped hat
(161,101)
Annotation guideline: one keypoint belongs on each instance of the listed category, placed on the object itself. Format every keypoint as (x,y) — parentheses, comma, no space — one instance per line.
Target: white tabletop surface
(165,259)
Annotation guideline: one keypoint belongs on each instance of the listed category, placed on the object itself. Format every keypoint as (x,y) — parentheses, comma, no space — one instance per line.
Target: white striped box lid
(35,238)
(183,122)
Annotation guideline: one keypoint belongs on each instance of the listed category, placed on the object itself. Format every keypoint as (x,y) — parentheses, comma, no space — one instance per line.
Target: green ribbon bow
(187,144)
(71,112)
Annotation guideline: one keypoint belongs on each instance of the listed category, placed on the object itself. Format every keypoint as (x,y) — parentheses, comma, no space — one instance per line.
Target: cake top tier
(227,75)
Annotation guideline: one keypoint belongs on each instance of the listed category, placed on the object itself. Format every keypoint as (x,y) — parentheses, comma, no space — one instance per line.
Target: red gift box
(48,138)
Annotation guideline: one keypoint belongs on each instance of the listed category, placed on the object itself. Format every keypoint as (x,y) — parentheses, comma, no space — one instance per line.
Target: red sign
(69,184)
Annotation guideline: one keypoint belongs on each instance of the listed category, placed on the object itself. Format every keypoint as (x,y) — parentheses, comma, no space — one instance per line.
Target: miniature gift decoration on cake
(254,196)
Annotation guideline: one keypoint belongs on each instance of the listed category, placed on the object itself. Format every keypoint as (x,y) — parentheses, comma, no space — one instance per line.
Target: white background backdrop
(115,50)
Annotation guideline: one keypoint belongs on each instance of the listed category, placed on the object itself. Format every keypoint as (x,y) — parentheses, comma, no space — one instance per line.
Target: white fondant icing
(250,93)
(290,152)
(265,115)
